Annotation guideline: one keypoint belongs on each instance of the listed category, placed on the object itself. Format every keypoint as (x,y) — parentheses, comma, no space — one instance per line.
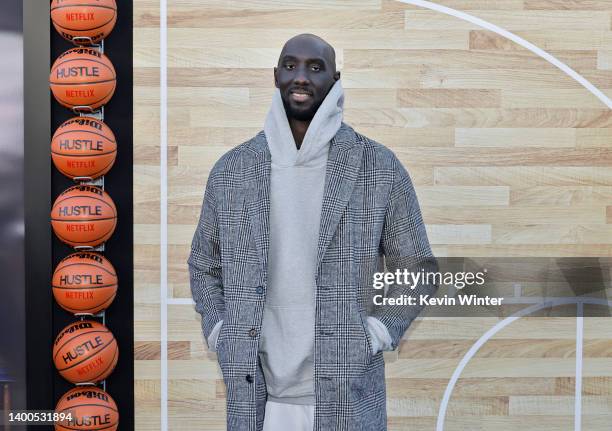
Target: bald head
(305,73)
(314,43)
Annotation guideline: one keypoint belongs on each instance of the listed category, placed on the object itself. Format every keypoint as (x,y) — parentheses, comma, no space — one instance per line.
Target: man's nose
(301,77)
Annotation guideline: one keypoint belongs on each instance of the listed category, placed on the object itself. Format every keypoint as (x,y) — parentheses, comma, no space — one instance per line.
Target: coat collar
(341,173)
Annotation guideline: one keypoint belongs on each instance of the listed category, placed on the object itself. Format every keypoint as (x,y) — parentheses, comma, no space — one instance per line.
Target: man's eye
(316,68)
(289,66)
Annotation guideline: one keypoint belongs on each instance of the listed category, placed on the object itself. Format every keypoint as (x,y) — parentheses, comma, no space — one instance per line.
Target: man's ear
(275,79)
(337,75)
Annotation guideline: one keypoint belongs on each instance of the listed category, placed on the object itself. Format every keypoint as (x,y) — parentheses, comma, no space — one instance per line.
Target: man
(294,224)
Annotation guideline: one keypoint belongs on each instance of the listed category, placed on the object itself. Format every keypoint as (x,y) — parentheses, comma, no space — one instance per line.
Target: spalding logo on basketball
(84,215)
(83,147)
(91,409)
(84,282)
(84,21)
(82,78)
(85,352)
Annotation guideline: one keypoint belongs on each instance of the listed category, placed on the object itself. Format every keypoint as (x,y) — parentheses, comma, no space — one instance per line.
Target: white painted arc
(517,39)
(498,327)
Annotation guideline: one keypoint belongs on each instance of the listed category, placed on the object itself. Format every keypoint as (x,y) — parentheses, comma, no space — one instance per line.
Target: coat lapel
(342,169)
(256,177)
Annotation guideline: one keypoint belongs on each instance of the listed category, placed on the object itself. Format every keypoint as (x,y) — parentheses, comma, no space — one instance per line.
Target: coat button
(253,333)
(249,378)
(259,290)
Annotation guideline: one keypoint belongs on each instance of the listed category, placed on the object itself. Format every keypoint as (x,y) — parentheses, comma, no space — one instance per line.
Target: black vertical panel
(118,182)
(37,200)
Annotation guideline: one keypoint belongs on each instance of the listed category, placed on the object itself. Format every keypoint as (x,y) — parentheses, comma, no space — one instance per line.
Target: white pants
(283,417)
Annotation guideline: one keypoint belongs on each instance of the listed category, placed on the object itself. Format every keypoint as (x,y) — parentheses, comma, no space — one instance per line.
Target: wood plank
(443,196)
(549,98)
(459,234)
(468,59)
(345,38)
(224,18)
(511,20)
(448,98)
(545,39)
(479,117)
(604,59)
(552,234)
(522,250)
(541,79)
(538,215)
(278,4)
(464,406)
(566,195)
(567,5)
(501,5)
(516,137)
(523,176)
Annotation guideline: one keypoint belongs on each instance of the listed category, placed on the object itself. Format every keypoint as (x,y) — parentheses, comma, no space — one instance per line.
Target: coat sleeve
(405,245)
(204,263)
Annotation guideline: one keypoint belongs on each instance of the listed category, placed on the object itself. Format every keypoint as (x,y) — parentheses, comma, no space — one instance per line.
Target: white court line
(163,231)
(517,39)
(579,343)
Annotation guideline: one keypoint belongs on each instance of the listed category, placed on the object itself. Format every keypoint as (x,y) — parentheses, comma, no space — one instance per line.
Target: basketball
(85,352)
(84,215)
(84,282)
(83,147)
(91,409)
(84,21)
(82,78)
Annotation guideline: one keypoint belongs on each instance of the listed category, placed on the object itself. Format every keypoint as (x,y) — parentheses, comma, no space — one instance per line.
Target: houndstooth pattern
(370,219)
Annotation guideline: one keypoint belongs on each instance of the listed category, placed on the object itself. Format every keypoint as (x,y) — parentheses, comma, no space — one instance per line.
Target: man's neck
(298,130)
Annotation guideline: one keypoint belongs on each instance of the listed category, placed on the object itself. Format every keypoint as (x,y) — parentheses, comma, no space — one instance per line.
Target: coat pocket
(360,347)
(219,337)
(366,333)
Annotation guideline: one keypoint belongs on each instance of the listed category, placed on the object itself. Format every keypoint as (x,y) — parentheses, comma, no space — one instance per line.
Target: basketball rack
(88,111)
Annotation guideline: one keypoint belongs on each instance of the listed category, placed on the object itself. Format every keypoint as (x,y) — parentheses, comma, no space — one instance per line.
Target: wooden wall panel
(509,156)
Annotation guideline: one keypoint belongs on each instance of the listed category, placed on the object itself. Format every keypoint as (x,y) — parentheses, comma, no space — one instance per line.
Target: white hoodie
(297,178)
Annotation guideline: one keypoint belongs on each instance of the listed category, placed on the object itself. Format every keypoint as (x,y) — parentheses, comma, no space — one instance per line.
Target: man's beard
(301,115)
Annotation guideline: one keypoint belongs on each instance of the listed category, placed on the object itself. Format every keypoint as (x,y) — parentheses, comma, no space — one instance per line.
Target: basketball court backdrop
(509,154)
(501,112)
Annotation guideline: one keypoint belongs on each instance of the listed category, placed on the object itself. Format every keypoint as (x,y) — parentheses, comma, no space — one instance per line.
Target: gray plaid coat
(370,217)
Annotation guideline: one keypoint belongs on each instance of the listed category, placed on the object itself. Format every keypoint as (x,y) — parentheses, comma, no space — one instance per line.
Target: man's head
(305,73)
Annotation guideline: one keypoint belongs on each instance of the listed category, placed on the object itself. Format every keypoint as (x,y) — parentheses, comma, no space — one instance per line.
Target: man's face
(306,71)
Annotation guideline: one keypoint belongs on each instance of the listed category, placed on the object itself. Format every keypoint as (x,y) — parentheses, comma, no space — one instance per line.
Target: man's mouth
(300,95)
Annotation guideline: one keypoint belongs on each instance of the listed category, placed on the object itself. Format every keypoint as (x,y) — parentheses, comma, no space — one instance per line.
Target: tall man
(294,224)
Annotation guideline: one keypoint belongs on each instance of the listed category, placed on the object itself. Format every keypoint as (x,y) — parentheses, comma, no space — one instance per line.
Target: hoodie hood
(322,129)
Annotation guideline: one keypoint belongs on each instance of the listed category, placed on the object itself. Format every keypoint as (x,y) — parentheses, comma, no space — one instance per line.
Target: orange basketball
(84,215)
(89,21)
(85,352)
(82,78)
(83,147)
(91,409)
(84,282)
